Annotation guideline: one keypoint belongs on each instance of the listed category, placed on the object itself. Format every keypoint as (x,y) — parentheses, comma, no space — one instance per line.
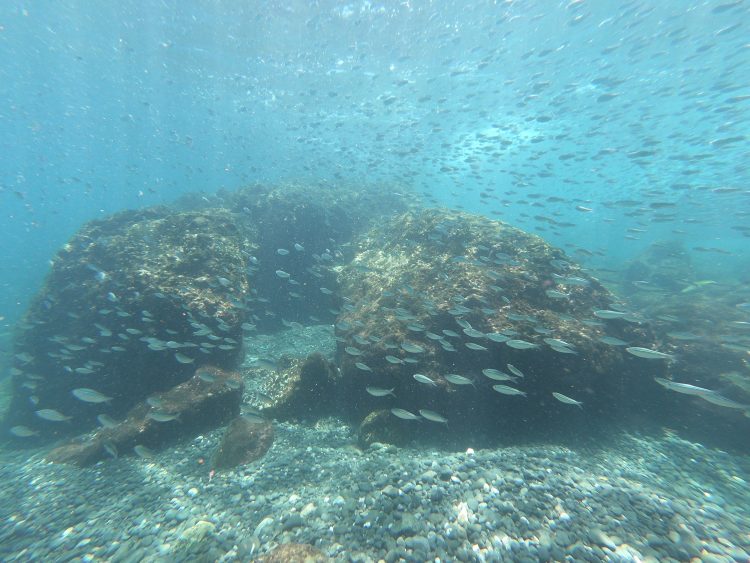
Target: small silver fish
(506,390)
(52,415)
(567,400)
(515,371)
(110,448)
(379,391)
(474,346)
(521,344)
(612,341)
(362,366)
(90,395)
(183,359)
(421,378)
(106,421)
(458,379)
(143,451)
(23,431)
(160,416)
(608,314)
(648,354)
(433,416)
(497,337)
(497,375)
(412,348)
(154,402)
(404,414)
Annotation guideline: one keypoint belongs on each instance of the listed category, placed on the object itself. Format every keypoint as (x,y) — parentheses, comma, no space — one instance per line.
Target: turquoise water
(617,131)
(133,104)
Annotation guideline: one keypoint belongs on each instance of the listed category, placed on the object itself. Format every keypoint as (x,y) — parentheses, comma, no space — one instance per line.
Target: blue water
(128,104)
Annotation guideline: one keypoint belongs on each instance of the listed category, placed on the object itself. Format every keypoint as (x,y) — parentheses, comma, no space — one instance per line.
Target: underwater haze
(435,208)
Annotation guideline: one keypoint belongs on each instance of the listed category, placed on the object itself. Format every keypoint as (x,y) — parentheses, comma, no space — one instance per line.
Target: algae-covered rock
(303,388)
(243,442)
(381,427)
(294,553)
(437,294)
(207,400)
(132,305)
(196,544)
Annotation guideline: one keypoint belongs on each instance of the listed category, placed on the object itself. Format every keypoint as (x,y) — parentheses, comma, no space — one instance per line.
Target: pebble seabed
(638,498)
(628,497)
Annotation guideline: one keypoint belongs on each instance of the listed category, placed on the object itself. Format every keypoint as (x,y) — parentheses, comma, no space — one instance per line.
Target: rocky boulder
(455,317)
(243,442)
(132,305)
(207,400)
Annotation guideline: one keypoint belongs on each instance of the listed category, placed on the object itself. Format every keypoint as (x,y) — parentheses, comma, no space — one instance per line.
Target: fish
(154,402)
(421,378)
(23,431)
(183,359)
(473,333)
(404,414)
(160,416)
(412,348)
(110,448)
(379,391)
(143,451)
(106,421)
(205,375)
(282,251)
(497,337)
(393,360)
(362,366)
(506,390)
(433,416)
(515,371)
(458,379)
(90,395)
(473,346)
(557,342)
(722,401)
(567,400)
(608,314)
(563,350)
(648,354)
(521,344)
(612,341)
(352,351)
(497,375)
(283,275)
(52,415)
(684,388)
(555,294)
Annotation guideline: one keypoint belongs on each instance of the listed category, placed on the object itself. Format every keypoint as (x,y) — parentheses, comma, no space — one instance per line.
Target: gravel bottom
(637,498)
(632,498)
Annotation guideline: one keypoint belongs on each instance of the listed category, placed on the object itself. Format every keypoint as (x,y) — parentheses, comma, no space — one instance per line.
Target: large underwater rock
(243,442)
(132,305)
(303,389)
(437,293)
(205,401)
